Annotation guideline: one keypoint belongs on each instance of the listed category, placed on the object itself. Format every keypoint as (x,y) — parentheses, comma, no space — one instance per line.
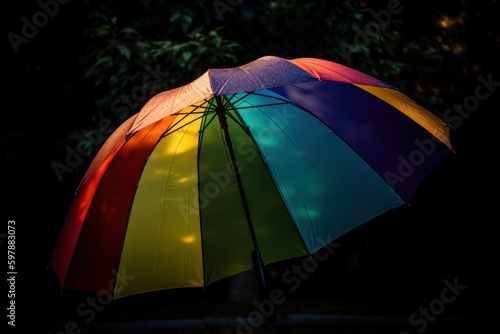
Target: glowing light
(458,49)
(446,22)
(188,239)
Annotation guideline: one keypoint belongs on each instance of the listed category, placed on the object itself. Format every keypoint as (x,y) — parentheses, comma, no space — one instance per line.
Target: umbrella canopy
(274,158)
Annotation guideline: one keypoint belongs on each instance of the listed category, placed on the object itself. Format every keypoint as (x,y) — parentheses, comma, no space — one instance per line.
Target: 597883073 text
(11,273)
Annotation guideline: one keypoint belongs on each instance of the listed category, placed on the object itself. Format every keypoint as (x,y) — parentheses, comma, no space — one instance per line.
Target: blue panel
(381,134)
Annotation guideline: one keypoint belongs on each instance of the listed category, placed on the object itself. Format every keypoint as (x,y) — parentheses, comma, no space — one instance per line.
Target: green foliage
(364,36)
(119,55)
(187,38)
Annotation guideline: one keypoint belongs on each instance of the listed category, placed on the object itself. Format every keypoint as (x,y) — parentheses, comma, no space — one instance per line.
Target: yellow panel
(162,247)
(436,126)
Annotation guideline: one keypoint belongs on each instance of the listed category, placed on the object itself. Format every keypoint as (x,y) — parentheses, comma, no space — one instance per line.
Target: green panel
(227,244)
(278,238)
(162,247)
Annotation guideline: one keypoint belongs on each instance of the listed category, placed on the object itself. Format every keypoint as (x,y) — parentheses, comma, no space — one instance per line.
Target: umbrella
(241,168)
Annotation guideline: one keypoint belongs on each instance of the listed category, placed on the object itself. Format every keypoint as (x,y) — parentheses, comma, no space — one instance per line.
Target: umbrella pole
(258,264)
(260,275)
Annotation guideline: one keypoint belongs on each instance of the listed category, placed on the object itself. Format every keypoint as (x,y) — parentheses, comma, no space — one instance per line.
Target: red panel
(98,251)
(327,70)
(117,138)
(71,231)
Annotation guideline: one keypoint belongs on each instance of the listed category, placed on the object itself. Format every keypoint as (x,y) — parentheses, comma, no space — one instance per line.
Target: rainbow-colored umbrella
(274,158)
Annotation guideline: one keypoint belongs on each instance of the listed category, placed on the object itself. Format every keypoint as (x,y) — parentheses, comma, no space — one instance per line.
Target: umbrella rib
(290,139)
(227,104)
(243,95)
(170,131)
(204,125)
(284,101)
(308,214)
(266,105)
(200,139)
(208,123)
(229,98)
(185,115)
(239,122)
(258,93)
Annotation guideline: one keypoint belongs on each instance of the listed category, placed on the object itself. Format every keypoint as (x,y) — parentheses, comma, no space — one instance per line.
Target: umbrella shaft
(256,256)
(221,113)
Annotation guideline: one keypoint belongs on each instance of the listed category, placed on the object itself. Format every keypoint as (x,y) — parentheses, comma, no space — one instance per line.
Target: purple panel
(399,149)
(264,72)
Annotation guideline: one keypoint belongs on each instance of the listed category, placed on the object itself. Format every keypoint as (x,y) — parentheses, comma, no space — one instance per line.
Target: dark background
(65,77)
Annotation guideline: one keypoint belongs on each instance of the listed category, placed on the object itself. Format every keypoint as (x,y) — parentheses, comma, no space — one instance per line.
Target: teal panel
(277,236)
(327,188)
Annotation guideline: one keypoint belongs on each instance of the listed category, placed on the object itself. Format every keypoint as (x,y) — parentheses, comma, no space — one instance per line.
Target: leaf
(124,51)
(130,32)
(186,55)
